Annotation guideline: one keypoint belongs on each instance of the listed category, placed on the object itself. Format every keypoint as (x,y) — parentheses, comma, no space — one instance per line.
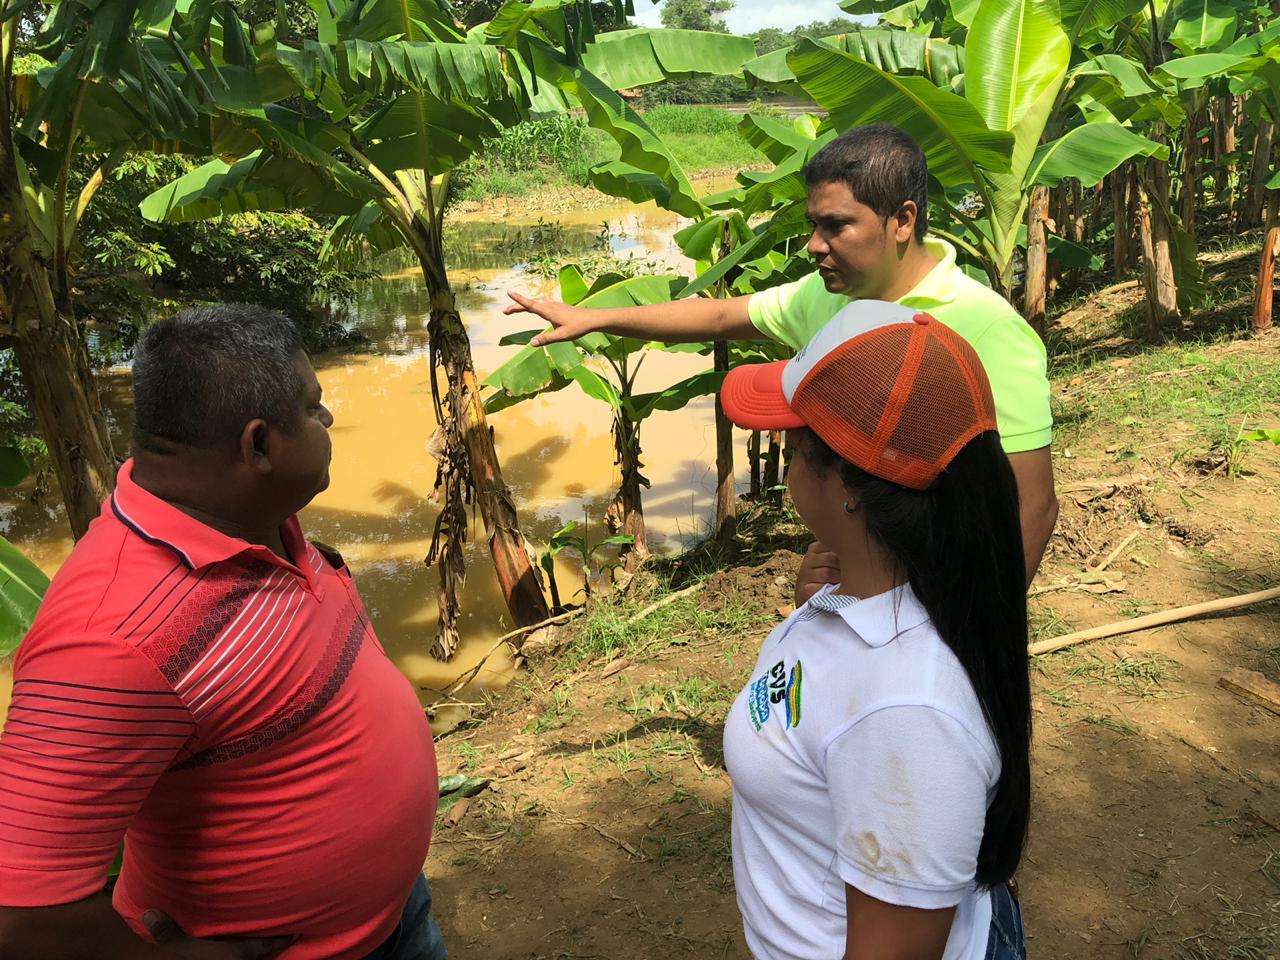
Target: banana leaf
(22,585)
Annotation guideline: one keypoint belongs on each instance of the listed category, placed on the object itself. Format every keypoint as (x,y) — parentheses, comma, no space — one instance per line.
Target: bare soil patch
(1156,834)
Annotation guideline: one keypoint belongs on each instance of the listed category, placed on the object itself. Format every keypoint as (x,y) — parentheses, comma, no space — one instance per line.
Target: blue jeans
(418,936)
(1006,941)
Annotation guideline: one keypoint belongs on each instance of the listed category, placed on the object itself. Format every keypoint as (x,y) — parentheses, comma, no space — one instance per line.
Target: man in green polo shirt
(868,192)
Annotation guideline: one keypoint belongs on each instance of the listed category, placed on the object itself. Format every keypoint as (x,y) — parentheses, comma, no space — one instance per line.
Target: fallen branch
(672,598)
(631,851)
(1176,615)
(460,681)
(1114,554)
(1254,687)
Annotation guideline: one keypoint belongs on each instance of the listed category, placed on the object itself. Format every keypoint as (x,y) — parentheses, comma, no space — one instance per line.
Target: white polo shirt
(859,754)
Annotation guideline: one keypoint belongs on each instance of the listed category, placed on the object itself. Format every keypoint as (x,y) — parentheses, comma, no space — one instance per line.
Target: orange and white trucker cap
(889,389)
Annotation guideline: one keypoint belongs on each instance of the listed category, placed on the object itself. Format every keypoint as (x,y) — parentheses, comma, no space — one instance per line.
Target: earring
(848,509)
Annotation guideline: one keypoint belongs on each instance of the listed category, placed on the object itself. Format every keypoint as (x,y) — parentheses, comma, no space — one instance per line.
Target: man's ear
(254,443)
(903,223)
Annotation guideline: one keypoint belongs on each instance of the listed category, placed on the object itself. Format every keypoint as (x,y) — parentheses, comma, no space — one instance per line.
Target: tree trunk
(65,404)
(1055,217)
(1265,292)
(1037,260)
(753,457)
(772,461)
(726,496)
(1095,210)
(626,513)
(467,465)
(1121,210)
(1157,259)
(1079,222)
(1251,210)
(1225,143)
(1188,197)
(52,357)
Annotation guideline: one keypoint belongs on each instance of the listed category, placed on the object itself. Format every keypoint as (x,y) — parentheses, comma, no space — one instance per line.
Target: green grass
(605,633)
(557,152)
(1180,390)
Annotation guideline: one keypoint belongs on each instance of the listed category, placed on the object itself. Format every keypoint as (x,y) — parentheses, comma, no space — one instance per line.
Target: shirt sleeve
(908,787)
(785,313)
(1014,357)
(92,725)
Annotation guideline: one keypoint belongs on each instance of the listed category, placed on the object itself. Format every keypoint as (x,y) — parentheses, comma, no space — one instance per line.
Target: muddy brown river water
(556,450)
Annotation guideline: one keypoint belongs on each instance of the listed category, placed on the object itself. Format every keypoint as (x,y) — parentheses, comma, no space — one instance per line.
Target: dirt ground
(1156,829)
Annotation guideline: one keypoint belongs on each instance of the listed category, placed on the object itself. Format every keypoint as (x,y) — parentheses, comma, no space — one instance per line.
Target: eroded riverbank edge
(605,831)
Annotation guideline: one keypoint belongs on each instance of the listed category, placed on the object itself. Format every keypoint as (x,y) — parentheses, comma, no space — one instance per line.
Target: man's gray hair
(202,374)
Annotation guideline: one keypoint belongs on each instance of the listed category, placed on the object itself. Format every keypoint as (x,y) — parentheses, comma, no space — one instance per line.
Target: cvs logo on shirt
(774,688)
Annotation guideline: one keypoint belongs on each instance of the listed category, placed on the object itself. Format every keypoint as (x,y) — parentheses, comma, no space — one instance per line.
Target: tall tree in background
(695,14)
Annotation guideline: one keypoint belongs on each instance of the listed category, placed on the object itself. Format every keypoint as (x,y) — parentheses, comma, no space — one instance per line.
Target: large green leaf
(1197,26)
(956,140)
(645,161)
(22,584)
(1195,69)
(893,51)
(258,181)
(1082,17)
(1016,53)
(1088,153)
(674,397)
(624,59)
(777,139)
(398,20)
(448,71)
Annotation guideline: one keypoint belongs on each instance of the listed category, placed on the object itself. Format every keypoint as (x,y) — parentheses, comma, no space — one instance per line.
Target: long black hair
(959,545)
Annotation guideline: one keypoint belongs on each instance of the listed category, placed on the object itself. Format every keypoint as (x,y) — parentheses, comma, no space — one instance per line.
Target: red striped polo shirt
(231,716)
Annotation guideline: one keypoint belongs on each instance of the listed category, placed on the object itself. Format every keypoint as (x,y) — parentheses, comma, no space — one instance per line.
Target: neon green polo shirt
(1011,352)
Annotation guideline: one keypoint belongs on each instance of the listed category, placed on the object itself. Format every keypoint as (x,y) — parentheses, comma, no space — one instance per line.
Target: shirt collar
(938,285)
(877,620)
(196,543)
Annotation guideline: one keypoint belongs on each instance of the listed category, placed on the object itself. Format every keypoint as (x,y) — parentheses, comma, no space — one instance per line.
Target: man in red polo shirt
(203,683)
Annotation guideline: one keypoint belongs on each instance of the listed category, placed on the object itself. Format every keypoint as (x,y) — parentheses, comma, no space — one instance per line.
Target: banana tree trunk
(1121,213)
(1188,198)
(753,459)
(772,460)
(726,496)
(1251,210)
(626,513)
(1265,292)
(1155,231)
(1037,259)
(1224,144)
(1079,219)
(467,464)
(51,357)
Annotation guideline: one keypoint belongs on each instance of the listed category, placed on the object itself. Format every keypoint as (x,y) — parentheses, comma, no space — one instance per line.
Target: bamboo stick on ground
(1176,615)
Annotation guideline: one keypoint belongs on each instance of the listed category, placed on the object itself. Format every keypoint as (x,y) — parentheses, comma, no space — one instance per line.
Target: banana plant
(394,97)
(604,368)
(76,79)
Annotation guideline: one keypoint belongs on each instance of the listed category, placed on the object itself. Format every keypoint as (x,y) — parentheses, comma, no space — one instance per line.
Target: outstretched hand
(567,322)
(182,947)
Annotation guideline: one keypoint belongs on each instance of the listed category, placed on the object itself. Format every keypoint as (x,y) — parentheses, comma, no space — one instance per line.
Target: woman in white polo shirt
(880,752)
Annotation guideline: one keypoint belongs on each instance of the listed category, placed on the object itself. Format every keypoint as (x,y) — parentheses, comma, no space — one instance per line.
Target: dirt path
(1156,831)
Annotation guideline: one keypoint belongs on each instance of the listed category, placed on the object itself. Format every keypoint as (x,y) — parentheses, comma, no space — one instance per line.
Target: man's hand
(567,322)
(818,568)
(181,947)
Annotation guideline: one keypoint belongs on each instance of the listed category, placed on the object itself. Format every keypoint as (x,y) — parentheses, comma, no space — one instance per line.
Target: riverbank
(552,157)
(1156,832)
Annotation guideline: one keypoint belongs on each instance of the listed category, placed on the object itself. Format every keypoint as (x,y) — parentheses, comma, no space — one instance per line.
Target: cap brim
(752,398)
